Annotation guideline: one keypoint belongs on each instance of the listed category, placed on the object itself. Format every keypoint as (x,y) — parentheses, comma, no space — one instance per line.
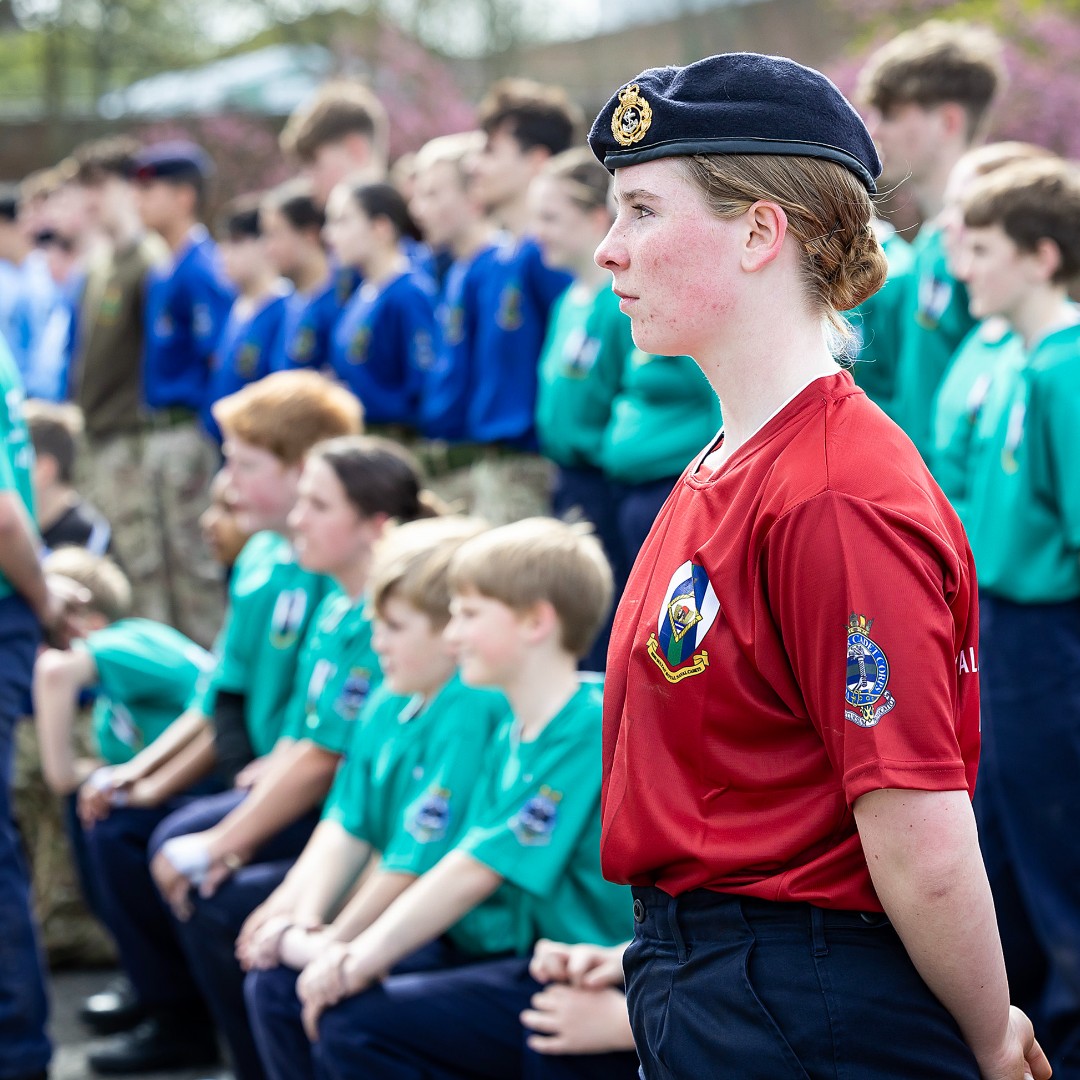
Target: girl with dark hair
(253,328)
(385,338)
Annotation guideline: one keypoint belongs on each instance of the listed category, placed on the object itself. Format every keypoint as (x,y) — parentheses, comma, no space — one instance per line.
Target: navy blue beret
(736,103)
(175,160)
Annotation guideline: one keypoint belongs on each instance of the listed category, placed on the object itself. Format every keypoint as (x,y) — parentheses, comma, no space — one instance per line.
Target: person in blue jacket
(385,337)
(253,329)
(187,304)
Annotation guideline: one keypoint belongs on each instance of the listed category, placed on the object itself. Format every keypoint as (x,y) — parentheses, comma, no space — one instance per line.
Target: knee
(271,994)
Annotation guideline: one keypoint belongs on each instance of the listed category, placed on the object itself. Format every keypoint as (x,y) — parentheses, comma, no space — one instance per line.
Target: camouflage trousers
(71,936)
(152,486)
(499,488)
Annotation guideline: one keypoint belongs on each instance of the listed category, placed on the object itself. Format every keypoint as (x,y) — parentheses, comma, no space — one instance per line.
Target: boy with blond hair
(1020,252)
(930,91)
(528,599)
(268,426)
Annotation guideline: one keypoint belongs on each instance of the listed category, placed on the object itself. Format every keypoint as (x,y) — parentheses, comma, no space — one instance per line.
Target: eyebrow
(637,194)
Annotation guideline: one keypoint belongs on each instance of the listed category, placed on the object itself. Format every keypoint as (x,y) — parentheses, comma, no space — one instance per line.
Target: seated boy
(528,599)
(142,672)
(63,517)
(268,426)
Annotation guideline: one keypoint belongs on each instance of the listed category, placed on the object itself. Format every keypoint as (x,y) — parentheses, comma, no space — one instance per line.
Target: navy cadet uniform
(761,949)
(187,303)
(245,351)
(24,1046)
(515,296)
(383,341)
(307,330)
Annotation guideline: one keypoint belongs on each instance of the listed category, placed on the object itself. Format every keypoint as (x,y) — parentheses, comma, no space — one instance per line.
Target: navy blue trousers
(131,907)
(638,506)
(729,986)
(587,494)
(433,1019)
(24,1046)
(1026,803)
(208,938)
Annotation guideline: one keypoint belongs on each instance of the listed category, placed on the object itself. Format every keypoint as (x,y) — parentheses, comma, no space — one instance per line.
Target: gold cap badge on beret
(633,117)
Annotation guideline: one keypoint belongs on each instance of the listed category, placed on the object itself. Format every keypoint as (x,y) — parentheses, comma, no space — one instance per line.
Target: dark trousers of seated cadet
(208,938)
(24,1046)
(454,1023)
(584,494)
(803,993)
(1029,660)
(638,506)
(132,909)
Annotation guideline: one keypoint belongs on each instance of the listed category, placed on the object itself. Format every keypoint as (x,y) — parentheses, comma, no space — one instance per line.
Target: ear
(1047,256)
(766,227)
(953,119)
(537,157)
(539,621)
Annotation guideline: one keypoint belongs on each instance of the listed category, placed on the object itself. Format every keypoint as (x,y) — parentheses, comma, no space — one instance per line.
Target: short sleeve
(530,833)
(434,812)
(211,301)
(863,600)
(1059,404)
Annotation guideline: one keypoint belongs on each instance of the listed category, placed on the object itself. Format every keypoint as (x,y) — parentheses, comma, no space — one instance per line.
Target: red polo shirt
(799,629)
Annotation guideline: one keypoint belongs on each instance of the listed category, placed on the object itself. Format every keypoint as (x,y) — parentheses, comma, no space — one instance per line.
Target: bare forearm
(429,908)
(188,766)
(178,735)
(295,782)
(378,893)
(19,554)
(54,713)
(923,852)
(325,872)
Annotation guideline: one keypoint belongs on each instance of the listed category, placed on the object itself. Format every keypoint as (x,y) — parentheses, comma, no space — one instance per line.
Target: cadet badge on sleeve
(534,823)
(431,818)
(288,617)
(685,619)
(867,675)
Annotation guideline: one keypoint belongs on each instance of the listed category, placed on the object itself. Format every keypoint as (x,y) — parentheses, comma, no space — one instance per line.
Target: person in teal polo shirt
(527,600)
(27,606)
(929,92)
(582,360)
(878,322)
(1021,250)
(664,413)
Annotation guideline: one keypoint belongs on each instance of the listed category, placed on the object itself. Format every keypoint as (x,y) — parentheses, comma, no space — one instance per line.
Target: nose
(611,254)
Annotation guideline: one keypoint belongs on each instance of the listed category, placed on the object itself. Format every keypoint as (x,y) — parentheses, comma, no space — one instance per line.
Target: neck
(52,504)
(929,190)
(477,235)
(176,233)
(542,685)
(754,381)
(1041,314)
(354,577)
(260,286)
(124,235)
(384,265)
(312,271)
(432,691)
(514,216)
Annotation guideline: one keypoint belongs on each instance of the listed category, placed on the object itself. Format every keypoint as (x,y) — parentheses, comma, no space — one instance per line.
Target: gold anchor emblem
(633,117)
